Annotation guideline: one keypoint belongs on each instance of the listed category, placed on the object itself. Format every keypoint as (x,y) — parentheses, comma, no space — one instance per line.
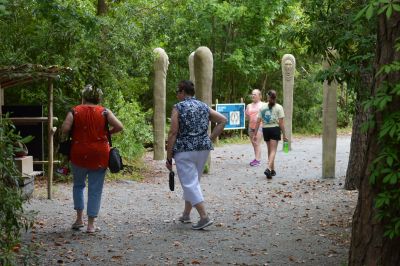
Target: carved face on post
(289,69)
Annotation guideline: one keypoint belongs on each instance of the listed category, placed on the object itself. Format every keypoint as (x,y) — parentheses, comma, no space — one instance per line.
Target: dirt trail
(296,218)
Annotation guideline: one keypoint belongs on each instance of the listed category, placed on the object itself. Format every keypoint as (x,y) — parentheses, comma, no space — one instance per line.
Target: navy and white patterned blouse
(193,126)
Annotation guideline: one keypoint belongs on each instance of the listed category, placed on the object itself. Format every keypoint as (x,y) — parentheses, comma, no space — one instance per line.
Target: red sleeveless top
(90,148)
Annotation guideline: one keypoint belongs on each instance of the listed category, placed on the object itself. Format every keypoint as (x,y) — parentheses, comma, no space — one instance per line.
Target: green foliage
(13,218)
(2,7)
(114,51)
(106,51)
(385,169)
(377,7)
(328,25)
(138,130)
(307,105)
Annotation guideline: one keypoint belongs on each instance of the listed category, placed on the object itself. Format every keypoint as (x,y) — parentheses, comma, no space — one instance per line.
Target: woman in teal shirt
(271,114)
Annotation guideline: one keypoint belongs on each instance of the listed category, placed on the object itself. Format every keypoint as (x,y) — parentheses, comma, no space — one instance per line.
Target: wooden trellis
(16,76)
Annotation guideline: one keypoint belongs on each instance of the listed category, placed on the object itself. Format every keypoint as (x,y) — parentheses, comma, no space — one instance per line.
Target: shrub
(13,218)
(137,128)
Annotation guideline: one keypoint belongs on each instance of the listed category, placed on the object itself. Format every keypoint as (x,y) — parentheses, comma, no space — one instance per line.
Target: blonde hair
(258,92)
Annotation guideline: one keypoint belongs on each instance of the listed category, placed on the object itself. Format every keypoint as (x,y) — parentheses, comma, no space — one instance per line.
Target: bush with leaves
(307,106)
(13,218)
(137,127)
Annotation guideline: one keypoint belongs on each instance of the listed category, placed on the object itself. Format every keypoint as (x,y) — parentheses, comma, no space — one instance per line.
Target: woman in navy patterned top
(189,144)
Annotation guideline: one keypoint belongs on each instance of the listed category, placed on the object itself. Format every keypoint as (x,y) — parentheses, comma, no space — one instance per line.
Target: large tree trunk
(358,148)
(101,7)
(368,246)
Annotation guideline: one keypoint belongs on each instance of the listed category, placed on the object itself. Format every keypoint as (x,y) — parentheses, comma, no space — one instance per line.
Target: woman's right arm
(67,124)
(172,135)
(114,123)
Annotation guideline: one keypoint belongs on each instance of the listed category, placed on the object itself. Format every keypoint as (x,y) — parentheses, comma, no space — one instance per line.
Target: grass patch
(133,170)
(236,139)
(345,130)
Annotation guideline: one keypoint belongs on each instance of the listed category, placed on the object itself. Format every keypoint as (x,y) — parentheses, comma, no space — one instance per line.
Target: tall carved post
(329,126)
(191,68)
(288,68)
(159,96)
(203,72)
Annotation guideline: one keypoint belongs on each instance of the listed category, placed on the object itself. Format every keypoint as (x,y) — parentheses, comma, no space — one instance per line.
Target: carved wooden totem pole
(159,96)
(288,68)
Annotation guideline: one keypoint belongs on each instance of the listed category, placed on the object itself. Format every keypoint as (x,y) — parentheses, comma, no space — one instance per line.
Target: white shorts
(190,166)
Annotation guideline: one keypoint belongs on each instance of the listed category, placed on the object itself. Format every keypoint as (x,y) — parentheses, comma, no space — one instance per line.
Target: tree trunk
(101,7)
(359,140)
(368,246)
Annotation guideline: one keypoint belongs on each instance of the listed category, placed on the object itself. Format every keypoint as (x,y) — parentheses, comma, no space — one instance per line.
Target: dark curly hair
(187,86)
(271,98)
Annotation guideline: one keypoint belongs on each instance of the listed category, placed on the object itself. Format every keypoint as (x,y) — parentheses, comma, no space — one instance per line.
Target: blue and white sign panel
(234,112)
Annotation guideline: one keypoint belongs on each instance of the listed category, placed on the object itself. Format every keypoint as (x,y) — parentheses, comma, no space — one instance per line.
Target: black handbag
(115,161)
(65,147)
(171,180)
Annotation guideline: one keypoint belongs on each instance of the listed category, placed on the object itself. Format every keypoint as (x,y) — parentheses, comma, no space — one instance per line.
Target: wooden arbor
(13,76)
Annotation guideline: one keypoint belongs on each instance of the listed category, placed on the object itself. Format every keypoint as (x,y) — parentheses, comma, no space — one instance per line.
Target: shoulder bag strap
(105,112)
(73,122)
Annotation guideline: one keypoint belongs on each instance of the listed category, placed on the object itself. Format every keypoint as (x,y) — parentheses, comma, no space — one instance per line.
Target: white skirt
(190,166)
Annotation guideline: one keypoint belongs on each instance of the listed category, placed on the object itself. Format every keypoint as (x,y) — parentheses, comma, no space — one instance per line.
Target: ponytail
(271,98)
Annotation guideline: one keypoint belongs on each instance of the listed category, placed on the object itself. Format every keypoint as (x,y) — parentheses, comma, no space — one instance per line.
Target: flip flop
(93,230)
(76,226)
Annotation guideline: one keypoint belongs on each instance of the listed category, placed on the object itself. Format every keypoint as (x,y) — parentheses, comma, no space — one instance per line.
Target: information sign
(234,112)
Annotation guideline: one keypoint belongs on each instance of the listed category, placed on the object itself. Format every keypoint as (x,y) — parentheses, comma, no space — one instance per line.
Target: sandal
(93,230)
(77,226)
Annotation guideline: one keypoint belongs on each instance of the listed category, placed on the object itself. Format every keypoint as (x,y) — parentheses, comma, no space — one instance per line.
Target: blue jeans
(95,189)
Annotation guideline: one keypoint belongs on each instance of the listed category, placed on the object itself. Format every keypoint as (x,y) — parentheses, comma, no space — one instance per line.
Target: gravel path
(296,218)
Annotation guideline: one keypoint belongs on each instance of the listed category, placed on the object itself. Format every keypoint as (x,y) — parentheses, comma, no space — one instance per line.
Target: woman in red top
(89,152)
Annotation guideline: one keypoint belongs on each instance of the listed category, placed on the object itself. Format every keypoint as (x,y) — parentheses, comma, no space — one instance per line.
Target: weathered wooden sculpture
(203,73)
(159,96)
(329,133)
(288,68)
(191,68)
